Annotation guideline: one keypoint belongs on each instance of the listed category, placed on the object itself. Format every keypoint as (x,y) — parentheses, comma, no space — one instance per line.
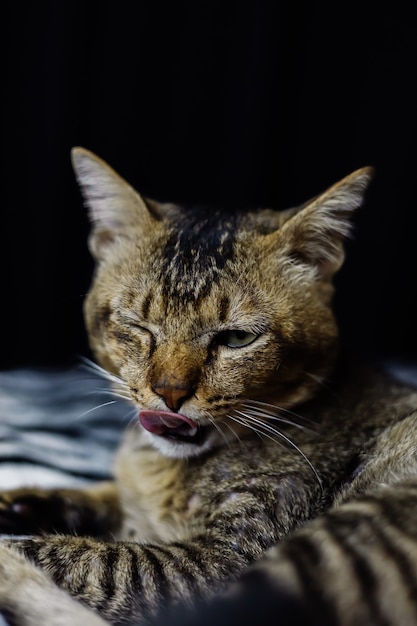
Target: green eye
(235,338)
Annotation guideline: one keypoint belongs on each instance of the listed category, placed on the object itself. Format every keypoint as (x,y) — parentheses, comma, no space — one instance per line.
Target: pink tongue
(161,422)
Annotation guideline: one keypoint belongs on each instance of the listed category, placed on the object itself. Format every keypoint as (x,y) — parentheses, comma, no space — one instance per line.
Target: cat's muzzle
(172,426)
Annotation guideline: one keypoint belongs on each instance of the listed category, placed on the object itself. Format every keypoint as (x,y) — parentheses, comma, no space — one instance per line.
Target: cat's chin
(181,449)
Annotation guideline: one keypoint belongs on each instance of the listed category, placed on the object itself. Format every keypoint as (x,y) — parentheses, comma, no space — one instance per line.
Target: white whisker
(219,430)
(277,418)
(265,426)
(118,387)
(245,423)
(322,382)
(99,406)
(235,434)
(279,409)
(267,430)
(109,392)
(100,371)
(133,418)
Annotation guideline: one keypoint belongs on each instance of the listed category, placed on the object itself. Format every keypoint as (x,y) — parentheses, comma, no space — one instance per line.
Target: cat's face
(207,315)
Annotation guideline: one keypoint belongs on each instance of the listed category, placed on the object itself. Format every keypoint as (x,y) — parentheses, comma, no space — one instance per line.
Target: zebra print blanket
(58,428)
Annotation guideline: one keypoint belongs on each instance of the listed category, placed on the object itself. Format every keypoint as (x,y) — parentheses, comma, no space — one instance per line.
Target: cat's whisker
(247,423)
(267,429)
(109,392)
(219,430)
(87,364)
(261,424)
(260,427)
(321,382)
(133,419)
(315,377)
(99,406)
(253,428)
(270,415)
(118,389)
(278,418)
(235,434)
(281,420)
(121,395)
(280,409)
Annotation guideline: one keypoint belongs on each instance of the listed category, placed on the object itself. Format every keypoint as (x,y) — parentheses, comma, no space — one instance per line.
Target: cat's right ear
(115,209)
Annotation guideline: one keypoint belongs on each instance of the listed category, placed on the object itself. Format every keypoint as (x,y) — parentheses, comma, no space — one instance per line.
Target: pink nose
(173,396)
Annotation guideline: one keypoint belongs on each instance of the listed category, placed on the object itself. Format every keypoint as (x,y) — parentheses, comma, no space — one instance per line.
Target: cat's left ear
(315,233)
(115,208)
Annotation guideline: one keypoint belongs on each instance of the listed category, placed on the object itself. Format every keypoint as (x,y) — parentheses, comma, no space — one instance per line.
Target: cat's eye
(139,332)
(235,338)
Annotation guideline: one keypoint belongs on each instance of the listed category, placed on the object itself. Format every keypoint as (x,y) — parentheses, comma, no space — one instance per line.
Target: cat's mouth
(171,426)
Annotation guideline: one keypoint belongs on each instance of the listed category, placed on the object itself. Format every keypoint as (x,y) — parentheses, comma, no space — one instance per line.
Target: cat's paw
(31,511)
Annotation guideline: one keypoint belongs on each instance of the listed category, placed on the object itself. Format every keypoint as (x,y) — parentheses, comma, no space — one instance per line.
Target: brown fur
(223,319)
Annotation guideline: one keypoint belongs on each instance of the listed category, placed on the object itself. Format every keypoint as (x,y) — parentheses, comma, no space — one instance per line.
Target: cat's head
(206,315)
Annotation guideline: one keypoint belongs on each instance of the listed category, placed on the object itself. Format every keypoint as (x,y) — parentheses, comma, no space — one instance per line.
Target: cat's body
(220,330)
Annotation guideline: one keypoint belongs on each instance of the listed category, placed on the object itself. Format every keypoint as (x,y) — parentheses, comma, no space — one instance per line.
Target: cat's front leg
(125,581)
(28,597)
(93,511)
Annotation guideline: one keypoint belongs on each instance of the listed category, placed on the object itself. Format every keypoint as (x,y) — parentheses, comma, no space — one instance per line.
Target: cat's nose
(173,396)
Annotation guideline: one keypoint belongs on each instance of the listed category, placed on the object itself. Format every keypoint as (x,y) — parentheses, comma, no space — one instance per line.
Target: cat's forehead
(210,230)
(189,259)
(194,275)
(198,247)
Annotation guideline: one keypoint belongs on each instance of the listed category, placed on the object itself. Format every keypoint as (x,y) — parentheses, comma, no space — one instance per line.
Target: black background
(248,103)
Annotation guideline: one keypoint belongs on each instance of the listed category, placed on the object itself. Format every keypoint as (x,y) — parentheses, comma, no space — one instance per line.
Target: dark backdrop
(252,103)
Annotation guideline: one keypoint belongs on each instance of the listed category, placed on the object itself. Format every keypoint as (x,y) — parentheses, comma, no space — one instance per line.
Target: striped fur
(256,451)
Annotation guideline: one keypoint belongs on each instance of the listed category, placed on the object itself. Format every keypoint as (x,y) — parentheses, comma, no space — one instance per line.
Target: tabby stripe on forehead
(196,252)
(224,306)
(146,304)
(364,575)
(305,556)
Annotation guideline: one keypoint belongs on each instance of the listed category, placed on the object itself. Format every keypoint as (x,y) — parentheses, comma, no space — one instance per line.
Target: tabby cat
(253,438)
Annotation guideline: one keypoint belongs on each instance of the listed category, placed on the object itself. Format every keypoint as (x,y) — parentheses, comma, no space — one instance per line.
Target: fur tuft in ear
(314,235)
(115,208)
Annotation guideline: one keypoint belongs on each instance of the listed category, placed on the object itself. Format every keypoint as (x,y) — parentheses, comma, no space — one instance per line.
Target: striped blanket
(58,428)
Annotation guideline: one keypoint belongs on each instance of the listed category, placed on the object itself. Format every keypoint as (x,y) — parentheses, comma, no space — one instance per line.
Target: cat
(258,453)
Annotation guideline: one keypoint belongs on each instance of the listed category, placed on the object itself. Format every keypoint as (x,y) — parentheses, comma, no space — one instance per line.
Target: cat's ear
(115,208)
(314,234)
